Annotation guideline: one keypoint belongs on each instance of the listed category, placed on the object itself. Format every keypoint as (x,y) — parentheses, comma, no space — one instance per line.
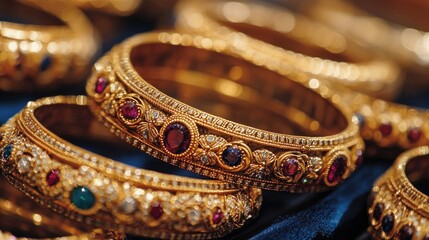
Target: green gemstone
(82,198)
(7,151)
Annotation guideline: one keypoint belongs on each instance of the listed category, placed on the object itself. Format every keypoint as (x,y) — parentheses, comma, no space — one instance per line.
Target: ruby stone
(337,169)
(53,177)
(156,210)
(290,167)
(101,84)
(414,135)
(385,129)
(217,216)
(130,110)
(177,138)
(232,156)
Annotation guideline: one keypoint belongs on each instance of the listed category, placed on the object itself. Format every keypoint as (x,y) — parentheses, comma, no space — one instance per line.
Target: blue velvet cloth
(339,214)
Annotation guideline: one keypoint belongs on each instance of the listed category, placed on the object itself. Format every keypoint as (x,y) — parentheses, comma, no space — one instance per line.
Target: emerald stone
(82,198)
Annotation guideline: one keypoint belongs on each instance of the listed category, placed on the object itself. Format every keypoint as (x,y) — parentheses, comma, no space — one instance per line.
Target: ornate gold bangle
(103,193)
(388,124)
(19,214)
(404,44)
(302,43)
(215,76)
(36,56)
(397,208)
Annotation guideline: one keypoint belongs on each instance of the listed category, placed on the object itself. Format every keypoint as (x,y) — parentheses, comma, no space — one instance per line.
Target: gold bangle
(121,8)
(103,193)
(302,43)
(404,44)
(39,56)
(124,97)
(397,209)
(388,124)
(19,214)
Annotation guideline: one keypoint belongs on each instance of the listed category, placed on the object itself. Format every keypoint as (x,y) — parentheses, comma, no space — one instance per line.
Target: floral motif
(291,166)
(264,164)
(130,109)
(154,118)
(209,145)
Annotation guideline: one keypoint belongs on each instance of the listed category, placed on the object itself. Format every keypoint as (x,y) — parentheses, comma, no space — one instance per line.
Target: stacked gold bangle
(103,193)
(398,209)
(124,95)
(37,56)
(385,123)
(319,51)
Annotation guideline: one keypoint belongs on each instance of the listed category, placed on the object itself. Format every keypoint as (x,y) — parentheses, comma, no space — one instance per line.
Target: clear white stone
(205,159)
(210,138)
(128,205)
(24,164)
(194,217)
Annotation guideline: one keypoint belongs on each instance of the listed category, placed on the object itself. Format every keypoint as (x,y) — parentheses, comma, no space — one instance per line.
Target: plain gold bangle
(38,56)
(125,96)
(115,7)
(397,209)
(302,43)
(104,193)
(404,44)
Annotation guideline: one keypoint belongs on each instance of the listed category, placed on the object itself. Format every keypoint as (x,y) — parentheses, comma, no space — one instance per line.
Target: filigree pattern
(209,145)
(130,109)
(264,164)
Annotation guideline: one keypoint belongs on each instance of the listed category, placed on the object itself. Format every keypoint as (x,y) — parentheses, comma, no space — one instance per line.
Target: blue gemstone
(45,63)
(232,156)
(7,151)
(387,223)
(82,198)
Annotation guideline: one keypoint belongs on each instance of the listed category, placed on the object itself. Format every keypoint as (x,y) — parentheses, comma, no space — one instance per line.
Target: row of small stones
(387,219)
(221,176)
(45,61)
(276,138)
(137,174)
(109,225)
(101,85)
(128,205)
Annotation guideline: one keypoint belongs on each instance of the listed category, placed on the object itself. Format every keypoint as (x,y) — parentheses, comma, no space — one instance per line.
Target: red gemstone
(130,110)
(414,135)
(385,129)
(290,167)
(217,216)
(53,177)
(101,84)
(177,138)
(337,169)
(156,210)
